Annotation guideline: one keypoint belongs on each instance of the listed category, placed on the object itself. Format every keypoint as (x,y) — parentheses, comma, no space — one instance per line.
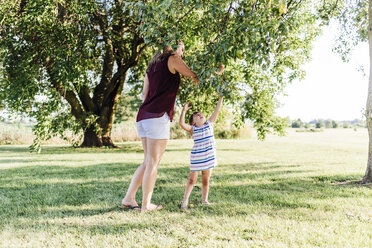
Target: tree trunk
(105,121)
(91,138)
(368,176)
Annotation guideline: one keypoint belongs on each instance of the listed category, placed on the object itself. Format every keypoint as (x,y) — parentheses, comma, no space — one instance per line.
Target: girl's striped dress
(203,154)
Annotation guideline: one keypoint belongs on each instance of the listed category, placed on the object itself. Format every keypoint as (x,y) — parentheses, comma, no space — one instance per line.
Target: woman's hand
(196,80)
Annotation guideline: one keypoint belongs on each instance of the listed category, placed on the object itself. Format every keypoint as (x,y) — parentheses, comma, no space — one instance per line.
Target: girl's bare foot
(152,208)
(206,203)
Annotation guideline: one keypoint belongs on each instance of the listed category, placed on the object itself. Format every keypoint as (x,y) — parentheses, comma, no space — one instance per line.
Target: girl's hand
(219,92)
(186,106)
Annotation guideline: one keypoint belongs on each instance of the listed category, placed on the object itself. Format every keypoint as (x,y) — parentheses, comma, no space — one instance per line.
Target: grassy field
(291,191)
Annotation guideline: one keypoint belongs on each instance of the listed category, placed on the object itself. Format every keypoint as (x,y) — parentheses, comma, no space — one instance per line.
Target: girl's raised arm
(214,116)
(184,125)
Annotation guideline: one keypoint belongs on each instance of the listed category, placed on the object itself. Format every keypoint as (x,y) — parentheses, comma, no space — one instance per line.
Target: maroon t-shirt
(163,89)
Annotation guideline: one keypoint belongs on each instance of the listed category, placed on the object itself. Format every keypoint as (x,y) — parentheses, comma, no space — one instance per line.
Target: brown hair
(167,50)
(192,117)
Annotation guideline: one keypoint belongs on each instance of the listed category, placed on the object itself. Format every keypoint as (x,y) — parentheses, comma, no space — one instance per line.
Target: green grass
(283,192)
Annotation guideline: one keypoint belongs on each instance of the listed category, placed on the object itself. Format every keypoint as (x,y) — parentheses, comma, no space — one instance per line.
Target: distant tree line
(328,123)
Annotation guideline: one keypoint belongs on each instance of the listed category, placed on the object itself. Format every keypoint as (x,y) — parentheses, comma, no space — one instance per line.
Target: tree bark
(91,138)
(368,175)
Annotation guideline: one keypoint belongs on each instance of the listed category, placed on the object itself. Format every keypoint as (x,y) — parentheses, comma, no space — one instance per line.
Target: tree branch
(188,12)
(69,95)
(224,21)
(123,68)
(86,100)
(108,62)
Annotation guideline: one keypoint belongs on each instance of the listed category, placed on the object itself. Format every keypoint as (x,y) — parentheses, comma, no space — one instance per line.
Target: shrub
(334,124)
(319,124)
(297,123)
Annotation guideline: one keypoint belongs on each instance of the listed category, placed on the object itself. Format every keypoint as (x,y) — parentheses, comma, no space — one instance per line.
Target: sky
(332,88)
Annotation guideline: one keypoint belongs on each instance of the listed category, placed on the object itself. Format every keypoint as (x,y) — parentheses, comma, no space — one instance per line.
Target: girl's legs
(189,186)
(155,150)
(136,181)
(206,174)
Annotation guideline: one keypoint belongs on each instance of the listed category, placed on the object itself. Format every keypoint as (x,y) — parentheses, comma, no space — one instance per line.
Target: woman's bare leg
(155,151)
(189,186)
(130,197)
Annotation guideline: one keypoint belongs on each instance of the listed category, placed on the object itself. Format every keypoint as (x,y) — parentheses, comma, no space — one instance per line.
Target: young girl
(203,154)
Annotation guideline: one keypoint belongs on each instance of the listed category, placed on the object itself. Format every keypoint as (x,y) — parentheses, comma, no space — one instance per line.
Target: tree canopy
(64,63)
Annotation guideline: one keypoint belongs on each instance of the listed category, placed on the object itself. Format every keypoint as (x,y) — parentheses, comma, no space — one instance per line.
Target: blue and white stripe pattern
(203,154)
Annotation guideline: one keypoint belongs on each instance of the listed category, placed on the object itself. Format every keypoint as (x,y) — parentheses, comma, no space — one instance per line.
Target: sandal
(183,207)
(129,207)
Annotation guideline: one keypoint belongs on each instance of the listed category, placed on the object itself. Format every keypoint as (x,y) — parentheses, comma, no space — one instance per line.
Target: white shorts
(154,128)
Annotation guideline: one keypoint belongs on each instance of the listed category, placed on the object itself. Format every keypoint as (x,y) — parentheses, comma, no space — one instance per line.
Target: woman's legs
(189,186)
(155,151)
(205,185)
(136,181)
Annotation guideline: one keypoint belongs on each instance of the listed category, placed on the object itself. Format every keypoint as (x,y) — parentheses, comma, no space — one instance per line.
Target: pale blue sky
(331,89)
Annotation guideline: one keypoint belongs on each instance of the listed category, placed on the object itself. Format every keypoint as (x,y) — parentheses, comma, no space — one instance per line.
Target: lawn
(292,191)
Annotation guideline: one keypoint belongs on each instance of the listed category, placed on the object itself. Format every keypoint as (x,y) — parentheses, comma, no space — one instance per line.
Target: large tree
(368,175)
(64,63)
(355,18)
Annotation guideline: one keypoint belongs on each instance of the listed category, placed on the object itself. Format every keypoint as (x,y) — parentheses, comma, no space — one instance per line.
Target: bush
(311,130)
(124,131)
(328,123)
(319,124)
(334,124)
(15,133)
(346,125)
(297,123)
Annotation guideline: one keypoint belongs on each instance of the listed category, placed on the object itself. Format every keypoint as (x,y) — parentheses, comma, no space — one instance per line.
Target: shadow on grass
(40,173)
(13,149)
(123,148)
(65,149)
(40,191)
(13,161)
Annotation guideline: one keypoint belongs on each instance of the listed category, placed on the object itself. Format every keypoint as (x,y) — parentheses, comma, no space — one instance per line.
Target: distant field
(288,191)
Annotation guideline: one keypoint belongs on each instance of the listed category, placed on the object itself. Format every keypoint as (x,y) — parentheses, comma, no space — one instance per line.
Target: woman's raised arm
(176,64)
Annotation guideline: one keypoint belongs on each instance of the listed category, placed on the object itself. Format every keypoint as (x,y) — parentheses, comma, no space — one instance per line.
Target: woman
(160,88)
